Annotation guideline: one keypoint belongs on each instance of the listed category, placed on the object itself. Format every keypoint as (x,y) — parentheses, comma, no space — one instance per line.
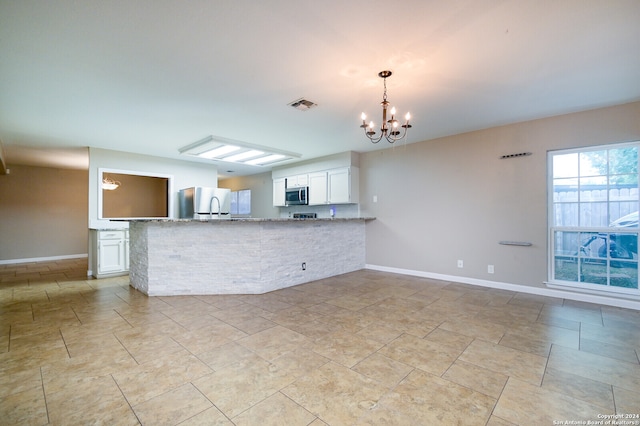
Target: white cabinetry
(342,185)
(317,188)
(110,255)
(335,186)
(297,180)
(279,186)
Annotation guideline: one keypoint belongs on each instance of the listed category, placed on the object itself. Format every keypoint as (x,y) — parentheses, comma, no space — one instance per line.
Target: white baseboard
(541,291)
(43,259)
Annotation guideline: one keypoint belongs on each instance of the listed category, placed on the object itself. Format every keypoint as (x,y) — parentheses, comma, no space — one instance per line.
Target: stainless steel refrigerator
(204,203)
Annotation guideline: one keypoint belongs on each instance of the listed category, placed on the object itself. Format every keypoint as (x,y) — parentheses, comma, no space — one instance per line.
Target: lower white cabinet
(110,252)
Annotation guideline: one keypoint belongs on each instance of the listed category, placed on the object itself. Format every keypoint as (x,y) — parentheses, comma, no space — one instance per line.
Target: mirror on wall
(133,195)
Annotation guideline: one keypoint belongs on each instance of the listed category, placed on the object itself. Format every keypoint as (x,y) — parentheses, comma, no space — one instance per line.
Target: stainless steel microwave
(297,196)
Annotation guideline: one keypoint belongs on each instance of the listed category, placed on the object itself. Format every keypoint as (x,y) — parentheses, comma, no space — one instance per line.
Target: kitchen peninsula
(241,256)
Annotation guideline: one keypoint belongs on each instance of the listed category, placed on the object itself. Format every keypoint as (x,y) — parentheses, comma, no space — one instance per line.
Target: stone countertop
(255,219)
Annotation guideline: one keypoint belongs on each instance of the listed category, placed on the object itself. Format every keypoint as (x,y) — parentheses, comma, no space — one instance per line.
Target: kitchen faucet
(211,207)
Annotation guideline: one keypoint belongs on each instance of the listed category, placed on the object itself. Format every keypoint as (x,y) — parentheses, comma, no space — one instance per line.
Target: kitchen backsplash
(339,210)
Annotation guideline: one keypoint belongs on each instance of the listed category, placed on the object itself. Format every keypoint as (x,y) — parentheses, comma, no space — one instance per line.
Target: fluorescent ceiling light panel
(228,150)
(244,155)
(219,152)
(264,160)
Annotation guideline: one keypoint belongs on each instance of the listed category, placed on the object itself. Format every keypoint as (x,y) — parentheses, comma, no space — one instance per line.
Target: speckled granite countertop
(255,219)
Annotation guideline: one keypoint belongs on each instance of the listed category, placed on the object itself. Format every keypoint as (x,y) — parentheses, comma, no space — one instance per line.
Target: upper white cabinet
(297,180)
(279,186)
(333,179)
(336,186)
(342,185)
(318,188)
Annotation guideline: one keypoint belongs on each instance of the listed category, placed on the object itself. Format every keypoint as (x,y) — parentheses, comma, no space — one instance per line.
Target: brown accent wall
(43,213)
(137,196)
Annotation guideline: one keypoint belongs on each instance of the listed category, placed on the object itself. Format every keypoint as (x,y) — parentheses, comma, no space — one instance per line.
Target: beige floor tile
(380,332)
(526,404)
(584,389)
(208,417)
(20,381)
(490,332)
(157,376)
(573,313)
(522,365)
(477,378)
(276,410)
(382,369)
(144,348)
(24,408)
(69,335)
(525,344)
(427,355)
(173,406)
(98,401)
(315,329)
(92,344)
(239,386)
(299,362)
(620,335)
(627,402)
(624,353)
(546,333)
(345,348)
(65,373)
(430,400)
(208,338)
(450,338)
(47,340)
(18,360)
(336,394)
(273,342)
(31,328)
(349,321)
(497,421)
(602,369)
(224,355)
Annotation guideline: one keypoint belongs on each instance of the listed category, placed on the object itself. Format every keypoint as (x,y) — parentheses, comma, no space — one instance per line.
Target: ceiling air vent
(302,104)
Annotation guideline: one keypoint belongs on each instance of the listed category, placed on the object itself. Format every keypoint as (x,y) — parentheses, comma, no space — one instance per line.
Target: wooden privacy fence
(594,206)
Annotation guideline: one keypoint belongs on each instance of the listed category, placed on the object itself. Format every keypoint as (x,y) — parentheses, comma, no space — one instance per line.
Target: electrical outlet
(304,266)
(460,264)
(490,269)
(375,198)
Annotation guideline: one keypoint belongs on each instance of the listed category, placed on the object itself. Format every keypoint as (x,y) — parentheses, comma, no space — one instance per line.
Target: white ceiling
(151,76)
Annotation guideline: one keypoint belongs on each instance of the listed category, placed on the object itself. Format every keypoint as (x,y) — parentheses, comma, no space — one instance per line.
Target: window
(593,218)
(241,202)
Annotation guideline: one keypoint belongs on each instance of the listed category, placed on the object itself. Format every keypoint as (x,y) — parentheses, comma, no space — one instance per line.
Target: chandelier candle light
(389,128)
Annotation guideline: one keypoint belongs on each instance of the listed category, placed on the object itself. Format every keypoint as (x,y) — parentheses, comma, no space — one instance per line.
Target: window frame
(580,260)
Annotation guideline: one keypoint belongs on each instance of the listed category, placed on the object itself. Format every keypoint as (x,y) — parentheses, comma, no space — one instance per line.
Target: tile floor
(366,348)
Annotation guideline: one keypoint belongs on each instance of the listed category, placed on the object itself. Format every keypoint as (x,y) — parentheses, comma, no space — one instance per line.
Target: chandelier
(110,184)
(390,129)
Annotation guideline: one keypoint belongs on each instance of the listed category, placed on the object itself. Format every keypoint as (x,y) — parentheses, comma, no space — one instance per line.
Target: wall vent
(520,154)
(302,104)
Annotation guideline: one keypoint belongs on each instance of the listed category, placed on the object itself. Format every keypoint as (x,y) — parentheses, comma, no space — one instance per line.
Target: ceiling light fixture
(110,184)
(231,151)
(389,128)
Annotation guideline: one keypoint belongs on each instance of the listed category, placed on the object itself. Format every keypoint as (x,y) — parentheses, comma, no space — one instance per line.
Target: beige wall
(43,213)
(261,186)
(452,198)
